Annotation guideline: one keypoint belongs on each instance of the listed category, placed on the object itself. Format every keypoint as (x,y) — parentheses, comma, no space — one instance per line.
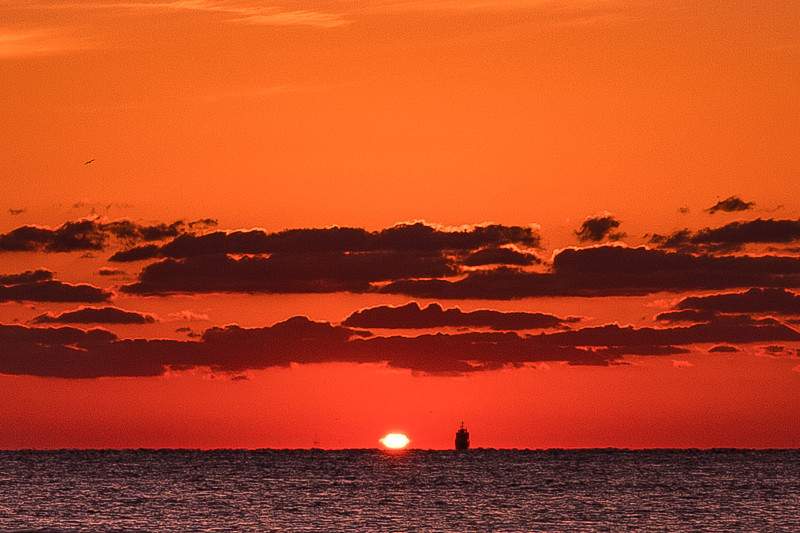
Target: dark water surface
(415,490)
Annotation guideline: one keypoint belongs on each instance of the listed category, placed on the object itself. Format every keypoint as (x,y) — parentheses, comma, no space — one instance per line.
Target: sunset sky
(241,223)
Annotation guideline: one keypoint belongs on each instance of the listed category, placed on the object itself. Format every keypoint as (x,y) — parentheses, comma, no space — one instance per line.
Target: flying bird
(89,161)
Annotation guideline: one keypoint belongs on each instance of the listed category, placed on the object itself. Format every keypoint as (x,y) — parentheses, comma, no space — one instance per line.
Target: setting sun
(395,441)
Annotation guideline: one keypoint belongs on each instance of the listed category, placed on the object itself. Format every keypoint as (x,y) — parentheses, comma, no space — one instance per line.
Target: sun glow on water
(395,441)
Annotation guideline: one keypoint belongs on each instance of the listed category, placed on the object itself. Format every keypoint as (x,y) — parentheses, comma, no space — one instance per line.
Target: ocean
(412,490)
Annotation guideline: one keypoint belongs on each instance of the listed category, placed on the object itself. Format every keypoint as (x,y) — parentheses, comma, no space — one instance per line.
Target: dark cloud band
(732,236)
(599,227)
(39,286)
(95,315)
(73,353)
(411,316)
(612,270)
(416,237)
(91,234)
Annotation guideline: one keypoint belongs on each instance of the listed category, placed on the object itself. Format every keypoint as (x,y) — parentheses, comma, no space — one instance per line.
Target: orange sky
(529,113)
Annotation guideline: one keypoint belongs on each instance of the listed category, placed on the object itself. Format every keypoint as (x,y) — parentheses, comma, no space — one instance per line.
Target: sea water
(412,490)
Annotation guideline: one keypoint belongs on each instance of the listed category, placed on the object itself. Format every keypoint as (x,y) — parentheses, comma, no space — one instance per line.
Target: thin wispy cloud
(248,13)
(489,6)
(456,5)
(295,18)
(40,42)
(244,12)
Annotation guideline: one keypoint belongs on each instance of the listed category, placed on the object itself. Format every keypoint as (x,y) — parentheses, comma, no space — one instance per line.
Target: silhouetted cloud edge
(39,286)
(95,315)
(92,233)
(69,352)
(412,316)
(403,237)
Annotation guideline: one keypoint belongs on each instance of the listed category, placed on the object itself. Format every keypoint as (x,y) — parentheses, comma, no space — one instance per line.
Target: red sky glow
(243,224)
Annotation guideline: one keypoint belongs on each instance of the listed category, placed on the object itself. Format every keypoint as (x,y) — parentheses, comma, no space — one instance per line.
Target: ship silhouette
(462,438)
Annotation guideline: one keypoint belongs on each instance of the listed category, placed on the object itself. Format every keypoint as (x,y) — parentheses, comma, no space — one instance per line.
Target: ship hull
(462,439)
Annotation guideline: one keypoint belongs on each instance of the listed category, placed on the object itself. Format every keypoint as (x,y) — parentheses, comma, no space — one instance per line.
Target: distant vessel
(462,438)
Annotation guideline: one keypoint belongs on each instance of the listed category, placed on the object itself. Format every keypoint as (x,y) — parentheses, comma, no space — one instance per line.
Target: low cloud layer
(598,228)
(91,234)
(287,273)
(612,270)
(500,256)
(323,260)
(731,204)
(756,300)
(95,315)
(687,315)
(738,330)
(411,316)
(723,348)
(593,271)
(30,276)
(68,352)
(39,286)
(733,236)
(416,237)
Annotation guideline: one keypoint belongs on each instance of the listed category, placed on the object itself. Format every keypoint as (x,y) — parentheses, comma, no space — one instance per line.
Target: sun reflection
(395,441)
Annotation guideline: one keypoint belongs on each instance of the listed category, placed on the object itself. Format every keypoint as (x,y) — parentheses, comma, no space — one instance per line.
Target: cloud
(611,270)
(39,286)
(417,236)
(500,256)
(681,364)
(469,352)
(202,224)
(295,18)
(68,352)
(730,205)
(640,349)
(86,234)
(321,260)
(732,236)
(53,291)
(39,42)
(287,273)
(30,276)
(599,227)
(737,330)
(775,350)
(83,202)
(53,336)
(687,315)
(107,271)
(73,353)
(187,314)
(755,300)
(411,316)
(246,12)
(564,13)
(137,253)
(723,348)
(78,235)
(95,315)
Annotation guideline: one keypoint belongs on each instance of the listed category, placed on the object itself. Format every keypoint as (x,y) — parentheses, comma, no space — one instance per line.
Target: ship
(462,438)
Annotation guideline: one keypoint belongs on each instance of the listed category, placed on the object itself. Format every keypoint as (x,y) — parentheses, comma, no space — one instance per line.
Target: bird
(89,161)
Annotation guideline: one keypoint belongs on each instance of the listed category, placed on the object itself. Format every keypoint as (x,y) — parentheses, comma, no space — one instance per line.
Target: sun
(395,441)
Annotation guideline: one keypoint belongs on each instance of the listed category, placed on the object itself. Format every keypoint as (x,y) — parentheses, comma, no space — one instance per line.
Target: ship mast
(462,438)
